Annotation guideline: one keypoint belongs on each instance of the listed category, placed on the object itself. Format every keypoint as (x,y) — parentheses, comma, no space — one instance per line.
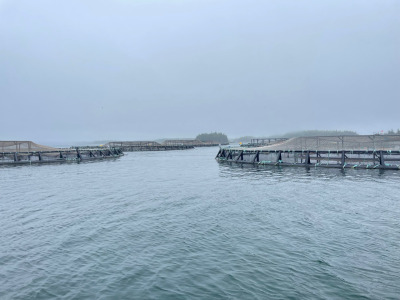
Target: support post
(279,157)
(342,139)
(240,155)
(381,159)
(229,155)
(219,153)
(343,162)
(78,154)
(307,161)
(256,157)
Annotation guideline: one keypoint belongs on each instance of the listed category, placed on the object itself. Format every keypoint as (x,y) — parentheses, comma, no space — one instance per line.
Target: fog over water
(93,70)
(178,224)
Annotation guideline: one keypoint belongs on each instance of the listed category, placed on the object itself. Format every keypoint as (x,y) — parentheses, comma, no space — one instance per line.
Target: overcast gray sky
(130,69)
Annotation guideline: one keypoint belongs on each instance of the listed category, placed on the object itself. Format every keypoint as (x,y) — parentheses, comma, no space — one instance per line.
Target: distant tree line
(217,137)
(391,131)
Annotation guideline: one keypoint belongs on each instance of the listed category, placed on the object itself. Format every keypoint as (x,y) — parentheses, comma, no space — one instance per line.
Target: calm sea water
(179,225)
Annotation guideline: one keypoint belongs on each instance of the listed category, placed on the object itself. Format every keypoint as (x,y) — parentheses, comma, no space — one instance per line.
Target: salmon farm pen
(26,152)
(132,146)
(194,143)
(351,152)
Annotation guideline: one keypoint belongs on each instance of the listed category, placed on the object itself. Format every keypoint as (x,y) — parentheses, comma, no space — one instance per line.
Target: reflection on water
(292,173)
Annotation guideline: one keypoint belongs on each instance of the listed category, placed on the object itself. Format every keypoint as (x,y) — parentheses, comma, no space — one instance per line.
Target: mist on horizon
(144,70)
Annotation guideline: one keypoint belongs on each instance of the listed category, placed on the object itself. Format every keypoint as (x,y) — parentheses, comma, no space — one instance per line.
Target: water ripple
(179,225)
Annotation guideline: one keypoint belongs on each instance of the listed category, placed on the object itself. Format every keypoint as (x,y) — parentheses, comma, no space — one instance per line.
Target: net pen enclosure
(132,146)
(365,152)
(27,152)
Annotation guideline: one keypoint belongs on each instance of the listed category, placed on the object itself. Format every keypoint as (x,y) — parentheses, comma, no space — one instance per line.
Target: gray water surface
(179,225)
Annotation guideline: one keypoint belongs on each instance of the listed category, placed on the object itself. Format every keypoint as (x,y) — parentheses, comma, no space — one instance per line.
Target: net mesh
(187,142)
(132,143)
(333,143)
(23,146)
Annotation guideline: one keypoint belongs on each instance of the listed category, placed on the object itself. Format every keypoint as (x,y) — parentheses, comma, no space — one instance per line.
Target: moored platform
(366,152)
(131,146)
(27,152)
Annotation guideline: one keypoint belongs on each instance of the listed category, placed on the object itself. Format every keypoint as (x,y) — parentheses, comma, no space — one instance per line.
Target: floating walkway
(146,146)
(27,152)
(194,143)
(264,142)
(166,145)
(361,152)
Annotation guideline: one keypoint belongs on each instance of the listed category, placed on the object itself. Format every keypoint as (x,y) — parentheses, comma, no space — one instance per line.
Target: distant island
(218,137)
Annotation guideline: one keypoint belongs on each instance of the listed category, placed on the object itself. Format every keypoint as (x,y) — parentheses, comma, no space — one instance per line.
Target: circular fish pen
(27,152)
(363,151)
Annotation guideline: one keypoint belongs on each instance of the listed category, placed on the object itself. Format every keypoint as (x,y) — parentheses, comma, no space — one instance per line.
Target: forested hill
(213,137)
